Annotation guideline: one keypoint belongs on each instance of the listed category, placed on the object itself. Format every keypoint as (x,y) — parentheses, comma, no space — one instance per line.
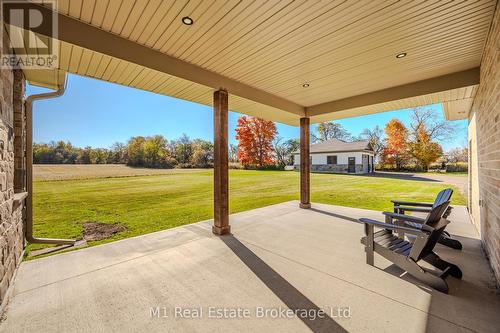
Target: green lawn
(150,203)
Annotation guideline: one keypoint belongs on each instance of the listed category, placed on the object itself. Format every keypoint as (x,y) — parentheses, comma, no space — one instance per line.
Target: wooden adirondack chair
(400,207)
(407,255)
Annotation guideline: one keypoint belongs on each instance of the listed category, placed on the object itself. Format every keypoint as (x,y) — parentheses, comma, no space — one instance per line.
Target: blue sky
(98,114)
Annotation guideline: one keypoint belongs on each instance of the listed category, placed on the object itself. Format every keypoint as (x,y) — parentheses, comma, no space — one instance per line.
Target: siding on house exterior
(319,162)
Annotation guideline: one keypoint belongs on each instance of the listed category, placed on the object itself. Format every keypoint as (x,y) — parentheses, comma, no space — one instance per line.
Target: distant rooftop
(337,146)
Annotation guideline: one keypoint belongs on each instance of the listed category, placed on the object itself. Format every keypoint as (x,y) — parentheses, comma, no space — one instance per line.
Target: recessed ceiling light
(187,20)
(401,55)
(305,85)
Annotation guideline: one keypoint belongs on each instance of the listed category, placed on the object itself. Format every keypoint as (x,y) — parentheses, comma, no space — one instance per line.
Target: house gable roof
(335,145)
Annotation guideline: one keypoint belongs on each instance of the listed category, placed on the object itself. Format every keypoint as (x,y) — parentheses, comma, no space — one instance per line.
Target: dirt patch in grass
(94,231)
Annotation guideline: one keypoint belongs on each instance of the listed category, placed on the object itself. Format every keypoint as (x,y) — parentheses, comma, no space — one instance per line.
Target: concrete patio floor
(279,257)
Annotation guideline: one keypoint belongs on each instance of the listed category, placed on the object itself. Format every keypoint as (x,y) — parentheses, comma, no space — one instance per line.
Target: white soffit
(456,105)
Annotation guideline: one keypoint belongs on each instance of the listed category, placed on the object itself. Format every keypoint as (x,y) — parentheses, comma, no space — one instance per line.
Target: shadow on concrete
(48,250)
(55,249)
(293,298)
(339,216)
(474,296)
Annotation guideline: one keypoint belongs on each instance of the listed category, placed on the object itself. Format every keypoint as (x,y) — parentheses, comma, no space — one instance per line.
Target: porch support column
(305,165)
(221,175)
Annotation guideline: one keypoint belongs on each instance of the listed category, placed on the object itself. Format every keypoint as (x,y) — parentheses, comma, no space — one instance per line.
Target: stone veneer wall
(11,211)
(484,134)
(19,132)
(337,168)
(332,168)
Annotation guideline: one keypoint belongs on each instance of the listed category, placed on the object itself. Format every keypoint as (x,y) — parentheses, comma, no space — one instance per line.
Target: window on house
(331,159)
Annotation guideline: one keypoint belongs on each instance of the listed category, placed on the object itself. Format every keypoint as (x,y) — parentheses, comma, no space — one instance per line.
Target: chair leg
(369,244)
(436,282)
(446,240)
(443,265)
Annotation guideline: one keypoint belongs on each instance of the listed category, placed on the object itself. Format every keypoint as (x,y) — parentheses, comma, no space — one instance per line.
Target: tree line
(152,152)
(260,147)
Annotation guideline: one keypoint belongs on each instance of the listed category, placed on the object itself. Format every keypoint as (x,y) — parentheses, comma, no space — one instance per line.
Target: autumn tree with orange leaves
(395,152)
(255,138)
(423,149)
(426,129)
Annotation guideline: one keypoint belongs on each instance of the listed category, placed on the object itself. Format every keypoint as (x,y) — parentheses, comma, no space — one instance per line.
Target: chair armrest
(415,209)
(410,203)
(389,226)
(419,226)
(403,217)
(447,212)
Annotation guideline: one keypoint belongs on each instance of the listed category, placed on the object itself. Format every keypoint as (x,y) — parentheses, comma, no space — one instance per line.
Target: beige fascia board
(461,79)
(81,34)
(45,78)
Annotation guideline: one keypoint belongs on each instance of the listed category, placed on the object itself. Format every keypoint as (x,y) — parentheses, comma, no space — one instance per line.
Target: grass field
(146,204)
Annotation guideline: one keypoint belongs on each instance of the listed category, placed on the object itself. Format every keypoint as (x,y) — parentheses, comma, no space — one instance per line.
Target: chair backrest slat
(436,223)
(443,196)
(436,213)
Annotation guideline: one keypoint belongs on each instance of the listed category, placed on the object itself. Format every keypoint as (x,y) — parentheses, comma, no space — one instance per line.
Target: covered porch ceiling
(281,60)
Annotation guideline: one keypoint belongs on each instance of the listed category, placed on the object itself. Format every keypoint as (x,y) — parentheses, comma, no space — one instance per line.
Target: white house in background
(337,156)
